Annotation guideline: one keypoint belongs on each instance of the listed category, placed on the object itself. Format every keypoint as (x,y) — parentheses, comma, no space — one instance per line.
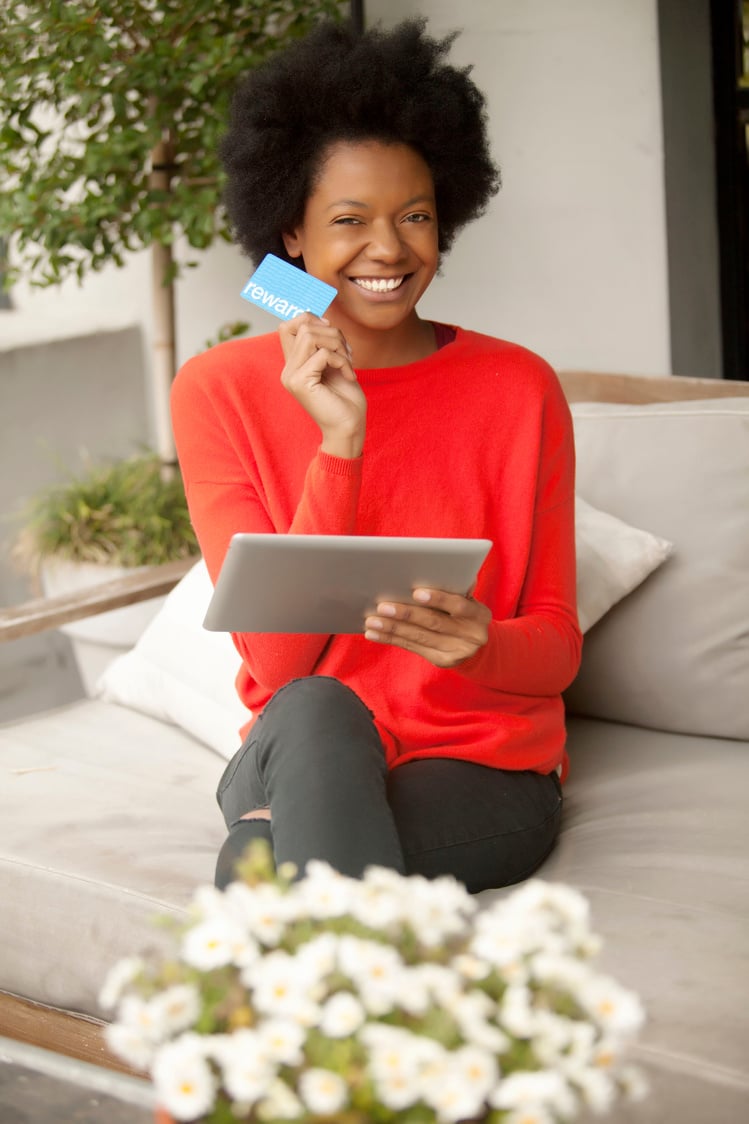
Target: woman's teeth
(378,284)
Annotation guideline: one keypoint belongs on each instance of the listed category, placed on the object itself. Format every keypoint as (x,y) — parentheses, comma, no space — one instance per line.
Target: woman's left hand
(444,628)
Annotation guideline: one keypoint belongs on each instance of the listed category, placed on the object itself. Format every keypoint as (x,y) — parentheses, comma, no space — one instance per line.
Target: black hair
(340,85)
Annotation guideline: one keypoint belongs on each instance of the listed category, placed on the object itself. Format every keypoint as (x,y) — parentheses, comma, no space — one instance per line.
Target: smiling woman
(433,741)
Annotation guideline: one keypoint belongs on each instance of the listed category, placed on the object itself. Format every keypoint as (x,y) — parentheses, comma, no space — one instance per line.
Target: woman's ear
(292,243)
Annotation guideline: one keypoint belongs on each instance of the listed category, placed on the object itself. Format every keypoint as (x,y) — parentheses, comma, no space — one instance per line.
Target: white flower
(322,1091)
(473,1012)
(400,1063)
(470,967)
(529,1115)
(247,1071)
(177,1008)
(319,955)
(516,1013)
(533,1089)
(144,1017)
(210,904)
(263,910)
(376,971)
(184,1083)
(281,1040)
(443,983)
(377,905)
(130,1044)
(616,1010)
(451,1096)
(437,908)
(282,986)
(324,892)
(551,1037)
(477,1068)
(342,1015)
(280,1103)
(119,977)
(395,1050)
(213,944)
(396,1090)
(596,1088)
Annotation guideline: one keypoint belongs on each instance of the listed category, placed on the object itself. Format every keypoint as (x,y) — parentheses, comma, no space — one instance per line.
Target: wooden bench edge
(42,613)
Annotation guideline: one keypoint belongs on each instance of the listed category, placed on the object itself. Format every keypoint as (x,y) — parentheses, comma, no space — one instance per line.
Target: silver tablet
(328,583)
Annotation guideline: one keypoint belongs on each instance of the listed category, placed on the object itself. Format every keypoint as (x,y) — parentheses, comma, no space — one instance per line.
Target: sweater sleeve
(537,651)
(223,500)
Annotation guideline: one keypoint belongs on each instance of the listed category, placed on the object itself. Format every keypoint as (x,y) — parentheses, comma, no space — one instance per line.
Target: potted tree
(110,117)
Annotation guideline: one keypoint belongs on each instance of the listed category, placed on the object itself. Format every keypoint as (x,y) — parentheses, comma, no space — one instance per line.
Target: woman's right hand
(319,373)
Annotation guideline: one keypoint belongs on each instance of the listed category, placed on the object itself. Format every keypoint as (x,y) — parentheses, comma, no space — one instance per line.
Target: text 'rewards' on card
(286,291)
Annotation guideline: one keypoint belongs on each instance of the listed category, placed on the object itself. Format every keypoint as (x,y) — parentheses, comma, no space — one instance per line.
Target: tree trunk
(163,357)
(163,363)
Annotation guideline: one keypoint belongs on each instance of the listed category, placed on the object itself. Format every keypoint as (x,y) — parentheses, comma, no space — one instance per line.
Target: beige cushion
(674,655)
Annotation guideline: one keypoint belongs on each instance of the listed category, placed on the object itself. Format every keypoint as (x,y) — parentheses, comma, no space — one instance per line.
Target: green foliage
(130,513)
(90,88)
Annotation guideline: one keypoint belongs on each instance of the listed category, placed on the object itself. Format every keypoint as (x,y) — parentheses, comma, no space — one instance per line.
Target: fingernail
(370,635)
(421,595)
(372,622)
(386,610)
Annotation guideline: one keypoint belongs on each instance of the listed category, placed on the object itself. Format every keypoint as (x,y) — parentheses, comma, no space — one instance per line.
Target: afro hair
(340,85)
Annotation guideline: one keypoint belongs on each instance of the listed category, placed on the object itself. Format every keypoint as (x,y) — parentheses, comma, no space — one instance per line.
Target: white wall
(571,258)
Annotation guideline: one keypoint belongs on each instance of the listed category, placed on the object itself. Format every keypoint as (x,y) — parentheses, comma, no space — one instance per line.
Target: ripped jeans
(315,758)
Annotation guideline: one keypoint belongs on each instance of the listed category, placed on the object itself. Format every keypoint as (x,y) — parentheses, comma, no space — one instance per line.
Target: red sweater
(473,441)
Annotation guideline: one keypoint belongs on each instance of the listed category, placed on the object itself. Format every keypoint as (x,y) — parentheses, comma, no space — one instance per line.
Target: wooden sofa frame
(80,1036)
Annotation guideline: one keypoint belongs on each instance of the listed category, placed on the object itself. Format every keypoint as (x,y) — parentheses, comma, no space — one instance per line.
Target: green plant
(127,514)
(388,999)
(110,117)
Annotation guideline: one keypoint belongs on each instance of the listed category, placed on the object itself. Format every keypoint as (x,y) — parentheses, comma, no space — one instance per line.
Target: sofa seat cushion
(108,820)
(655,834)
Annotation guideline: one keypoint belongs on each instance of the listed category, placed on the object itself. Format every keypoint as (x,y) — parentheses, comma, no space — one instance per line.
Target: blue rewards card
(286,291)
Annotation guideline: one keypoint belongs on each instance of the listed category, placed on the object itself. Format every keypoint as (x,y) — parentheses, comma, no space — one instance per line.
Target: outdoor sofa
(107,815)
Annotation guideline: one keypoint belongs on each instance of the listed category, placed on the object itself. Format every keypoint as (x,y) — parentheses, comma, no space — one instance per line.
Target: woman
(433,742)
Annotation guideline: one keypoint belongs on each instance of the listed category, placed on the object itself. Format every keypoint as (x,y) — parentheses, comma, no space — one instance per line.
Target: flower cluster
(386,998)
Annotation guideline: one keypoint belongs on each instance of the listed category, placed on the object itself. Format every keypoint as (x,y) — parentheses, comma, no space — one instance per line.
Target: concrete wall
(61,402)
(571,258)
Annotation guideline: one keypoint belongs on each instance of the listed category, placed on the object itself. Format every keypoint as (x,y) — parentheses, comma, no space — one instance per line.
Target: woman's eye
(346,220)
(418,216)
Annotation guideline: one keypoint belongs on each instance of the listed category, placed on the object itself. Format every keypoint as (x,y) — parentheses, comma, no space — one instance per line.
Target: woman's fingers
(319,374)
(305,335)
(444,628)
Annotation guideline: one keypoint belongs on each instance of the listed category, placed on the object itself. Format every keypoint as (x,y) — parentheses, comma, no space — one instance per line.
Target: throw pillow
(180,673)
(613,558)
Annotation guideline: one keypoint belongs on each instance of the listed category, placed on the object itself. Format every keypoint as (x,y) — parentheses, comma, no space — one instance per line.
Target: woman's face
(370,230)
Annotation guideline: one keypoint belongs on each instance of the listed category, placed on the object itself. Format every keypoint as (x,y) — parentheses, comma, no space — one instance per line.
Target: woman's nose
(385,243)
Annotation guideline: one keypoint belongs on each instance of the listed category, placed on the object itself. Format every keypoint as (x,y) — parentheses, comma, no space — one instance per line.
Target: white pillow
(181,673)
(613,558)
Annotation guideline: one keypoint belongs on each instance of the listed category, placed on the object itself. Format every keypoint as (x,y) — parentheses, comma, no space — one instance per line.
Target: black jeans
(315,758)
